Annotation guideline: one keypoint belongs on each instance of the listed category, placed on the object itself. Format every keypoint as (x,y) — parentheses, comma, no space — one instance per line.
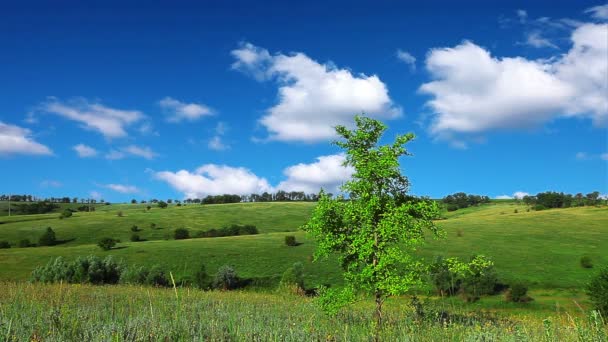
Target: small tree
(135,229)
(65,214)
(24,243)
(375,231)
(107,243)
(48,238)
(181,233)
(293,278)
(290,240)
(226,278)
(162,204)
(4,244)
(202,278)
(119,213)
(135,237)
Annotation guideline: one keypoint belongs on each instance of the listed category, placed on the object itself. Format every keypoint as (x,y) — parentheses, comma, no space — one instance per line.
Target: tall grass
(61,312)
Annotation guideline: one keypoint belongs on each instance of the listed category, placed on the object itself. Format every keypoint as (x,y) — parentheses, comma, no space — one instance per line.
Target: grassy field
(541,248)
(62,312)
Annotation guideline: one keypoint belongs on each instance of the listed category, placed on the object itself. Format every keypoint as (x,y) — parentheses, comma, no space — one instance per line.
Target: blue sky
(118,101)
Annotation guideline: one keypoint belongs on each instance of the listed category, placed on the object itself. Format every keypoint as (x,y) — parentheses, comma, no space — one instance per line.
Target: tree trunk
(378,316)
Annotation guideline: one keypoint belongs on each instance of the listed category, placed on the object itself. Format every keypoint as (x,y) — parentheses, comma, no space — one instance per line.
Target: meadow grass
(60,312)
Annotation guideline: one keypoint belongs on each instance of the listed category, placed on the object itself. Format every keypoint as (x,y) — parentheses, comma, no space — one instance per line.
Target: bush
(89,269)
(597,290)
(226,278)
(290,240)
(48,238)
(107,243)
(148,208)
(134,275)
(152,225)
(586,262)
(293,279)
(119,213)
(156,277)
(181,234)
(231,230)
(65,214)
(446,282)
(539,207)
(135,229)
(452,207)
(518,293)
(135,238)
(162,204)
(202,280)
(4,244)
(24,243)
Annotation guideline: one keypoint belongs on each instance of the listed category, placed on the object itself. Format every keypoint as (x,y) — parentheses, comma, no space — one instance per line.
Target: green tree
(162,204)
(48,238)
(376,230)
(107,243)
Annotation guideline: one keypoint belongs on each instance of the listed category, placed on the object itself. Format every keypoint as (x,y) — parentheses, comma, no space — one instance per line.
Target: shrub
(226,278)
(65,214)
(4,244)
(452,207)
(148,207)
(152,225)
(290,240)
(156,277)
(181,233)
(202,280)
(539,207)
(89,269)
(162,204)
(24,243)
(597,290)
(481,280)
(119,213)
(515,211)
(135,275)
(586,262)
(48,238)
(518,293)
(135,238)
(107,243)
(293,279)
(135,229)
(446,282)
(459,233)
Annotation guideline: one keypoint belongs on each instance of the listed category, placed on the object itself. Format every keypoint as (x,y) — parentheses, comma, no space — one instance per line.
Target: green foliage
(181,234)
(24,243)
(135,237)
(135,228)
(162,204)
(231,230)
(376,230)
(4,244)
(293,277)
(586,262)
(517,293)
(107,243)
(48,238)
(89,269)
(202,279)
(597,290)
(157,277)
(290,240)
(472,280)
(226,278)
(66,213)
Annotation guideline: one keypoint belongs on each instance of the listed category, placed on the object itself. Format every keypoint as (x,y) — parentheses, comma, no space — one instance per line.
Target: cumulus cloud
(475,92)
(18,140)
(123,189)
(520,194)
(85,151)
(216,143)
(108,121)
(327,172)
(536,40)
(598,12)
(312,97)
(211,179)
(132,150)
(407,58)
(178,111)
(504,197)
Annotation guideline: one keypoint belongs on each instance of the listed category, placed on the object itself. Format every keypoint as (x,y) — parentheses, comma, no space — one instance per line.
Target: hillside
(542,248)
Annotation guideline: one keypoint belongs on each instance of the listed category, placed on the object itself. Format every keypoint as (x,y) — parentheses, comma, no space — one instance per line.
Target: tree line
(279,196)
(551,199)
(32,198)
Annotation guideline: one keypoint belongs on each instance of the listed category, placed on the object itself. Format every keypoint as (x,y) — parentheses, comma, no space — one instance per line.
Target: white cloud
(604,156)
(94,116)
(18,140)
(520,194)
(178,111)
(85,151)
(131,150)
(474,92)
(582,155)
(217,144)
(312,97)
(522,15)
(504,197)
(536,40)
(211,179)
(598,12)
(327,173)
(123,189)
(407,58)
(95,195)
(50,184)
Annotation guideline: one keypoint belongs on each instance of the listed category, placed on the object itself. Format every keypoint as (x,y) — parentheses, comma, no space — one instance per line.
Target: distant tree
(226,278)
(134,201)
(4,244)
(162,204)
(181,234)
(169,201)
(107,243)
(48,238)
(66,213)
